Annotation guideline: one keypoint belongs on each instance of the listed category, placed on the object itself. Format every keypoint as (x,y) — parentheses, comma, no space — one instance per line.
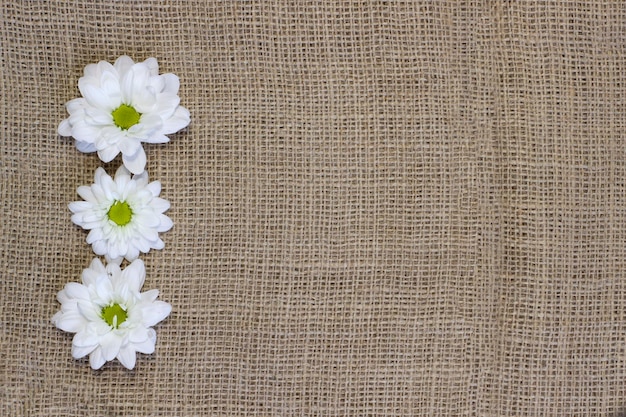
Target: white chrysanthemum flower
(109,315)
(124,215)
(121,106)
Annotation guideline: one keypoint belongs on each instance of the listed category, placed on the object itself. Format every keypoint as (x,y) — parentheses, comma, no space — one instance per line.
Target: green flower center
(125,117)
(114,315)
(120,213)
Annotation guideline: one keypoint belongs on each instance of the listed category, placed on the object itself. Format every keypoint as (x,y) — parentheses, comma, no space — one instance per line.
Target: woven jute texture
(381,208)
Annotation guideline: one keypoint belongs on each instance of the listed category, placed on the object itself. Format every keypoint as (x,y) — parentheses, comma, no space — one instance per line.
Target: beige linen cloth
(381,208)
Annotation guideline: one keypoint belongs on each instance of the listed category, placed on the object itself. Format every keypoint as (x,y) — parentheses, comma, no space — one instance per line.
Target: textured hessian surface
(381,208)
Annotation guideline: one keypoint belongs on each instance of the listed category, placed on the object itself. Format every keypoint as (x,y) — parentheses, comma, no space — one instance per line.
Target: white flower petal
(85,147)
(143,245)
(97,117)
(158,244)
(145,100)
(157,138)
(113,270)
(76,291)
(155,188)
(96,359)
(148,345)
(148,233)
(149,125)
(99,247)
(155,312)
(95,96)
(122,176)
(57,316)
(148,219)
(123,64)
(76,105)
(85,193)
(156,83)
(104,67)
(149,296)
(135,275)
(139,334)
(178,121)
(117,261)
(94,235)
(89,311)
(137,164)
(98,192)
(91,81)
(85,218)
(110,344)
(79,206)
(134,79)
(152,65)
(91,70)
(110,136)
(124,293)
(129,146)
(103,289)
(85,132)
(116,276)
(63,298)
(160,205)
(97,266)
(99,174)
(132,254)
(86,339)
(99,327)
(141,180)
(110,84)
(172,83)
(127,356)
(90,275)
(114,251)
(166,105)
(165,223)
(70,321)
(108,184)
(65,129)
(108,154)
(81,351)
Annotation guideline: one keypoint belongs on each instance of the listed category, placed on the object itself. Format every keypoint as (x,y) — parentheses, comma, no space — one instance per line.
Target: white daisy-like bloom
(110,316)
(121,106)
(124,214)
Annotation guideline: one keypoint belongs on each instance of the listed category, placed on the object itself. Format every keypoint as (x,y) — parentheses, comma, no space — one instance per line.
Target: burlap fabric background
(381,208)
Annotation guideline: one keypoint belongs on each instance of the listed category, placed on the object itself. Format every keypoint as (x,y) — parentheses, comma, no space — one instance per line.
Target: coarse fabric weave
(381,208)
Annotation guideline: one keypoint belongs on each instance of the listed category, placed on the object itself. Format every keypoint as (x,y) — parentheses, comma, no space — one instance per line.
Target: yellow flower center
(125,117)
(120,213)
(114,315)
